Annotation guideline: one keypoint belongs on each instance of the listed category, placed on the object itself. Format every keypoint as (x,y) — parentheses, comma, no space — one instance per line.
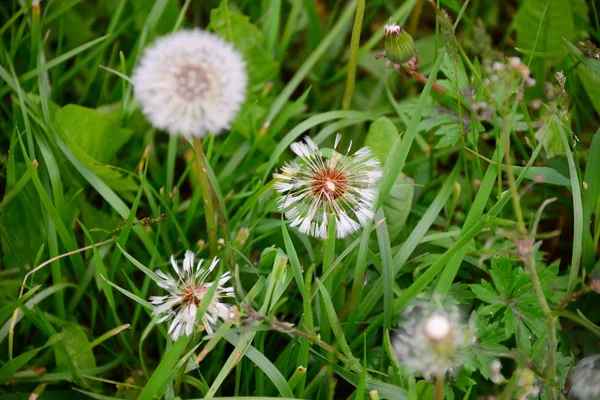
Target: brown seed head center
(192,82)
(194,293)
(329,184)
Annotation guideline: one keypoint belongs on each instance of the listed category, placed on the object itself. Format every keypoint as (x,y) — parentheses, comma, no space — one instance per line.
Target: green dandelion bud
(399,45)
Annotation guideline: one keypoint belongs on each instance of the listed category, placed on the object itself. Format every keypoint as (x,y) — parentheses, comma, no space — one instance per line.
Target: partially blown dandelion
(429,340)
(585,379)
(190,82)
(317,187)
(185,295)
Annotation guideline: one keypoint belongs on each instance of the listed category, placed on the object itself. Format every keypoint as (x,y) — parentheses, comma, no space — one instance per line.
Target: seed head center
(437,328)
(193,294)
(329,184)
(192,82)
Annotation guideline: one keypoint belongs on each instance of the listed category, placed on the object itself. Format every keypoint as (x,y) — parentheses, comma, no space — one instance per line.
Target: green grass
(95,200)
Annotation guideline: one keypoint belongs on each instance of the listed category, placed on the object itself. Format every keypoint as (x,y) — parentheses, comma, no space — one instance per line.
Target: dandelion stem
(423,80)
(207,198)
(353,61)
(439,387)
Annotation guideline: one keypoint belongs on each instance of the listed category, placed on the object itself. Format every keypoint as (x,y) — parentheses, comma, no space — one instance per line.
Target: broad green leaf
(95,138)
(78,348)
(97,135)
(381,137)
(542,24)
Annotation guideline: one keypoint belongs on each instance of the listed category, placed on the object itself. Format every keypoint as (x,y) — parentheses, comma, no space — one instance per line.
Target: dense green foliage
(489,201)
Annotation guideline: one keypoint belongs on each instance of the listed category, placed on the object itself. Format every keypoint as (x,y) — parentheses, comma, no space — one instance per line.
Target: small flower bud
(399,45)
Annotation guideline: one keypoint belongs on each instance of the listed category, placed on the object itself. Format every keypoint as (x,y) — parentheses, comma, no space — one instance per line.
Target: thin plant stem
(525,246)
(423,79)
(550,318)
(353,61)
(439,387)
(511,178)
(207,198)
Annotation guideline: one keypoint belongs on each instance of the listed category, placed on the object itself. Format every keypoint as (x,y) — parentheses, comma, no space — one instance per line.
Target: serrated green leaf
(485,292)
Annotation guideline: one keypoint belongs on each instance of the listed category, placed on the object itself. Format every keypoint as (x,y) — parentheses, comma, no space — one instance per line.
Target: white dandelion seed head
(343,185)
(430,340)
(186,292)
(585,379)
(190,82)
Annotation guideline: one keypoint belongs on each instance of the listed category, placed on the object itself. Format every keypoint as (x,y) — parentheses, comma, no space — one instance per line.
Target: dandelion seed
(317,187)
(429,340)
(585,379)
(190,83)
(186,292)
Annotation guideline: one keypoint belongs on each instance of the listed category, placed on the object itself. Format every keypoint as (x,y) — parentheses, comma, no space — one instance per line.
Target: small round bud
(399,45)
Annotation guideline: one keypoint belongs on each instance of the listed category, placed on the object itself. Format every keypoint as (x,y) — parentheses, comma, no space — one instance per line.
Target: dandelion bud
(399,45)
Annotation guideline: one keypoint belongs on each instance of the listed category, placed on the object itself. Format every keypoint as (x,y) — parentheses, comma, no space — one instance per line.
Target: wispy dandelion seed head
(585,379)
(429,340)
(186,292)
(316,187)
(190,82)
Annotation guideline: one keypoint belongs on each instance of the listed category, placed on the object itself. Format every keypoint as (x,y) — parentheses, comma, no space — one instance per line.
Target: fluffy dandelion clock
(317,186)
(186,292)
(190,82)
(585,379)
(429,340)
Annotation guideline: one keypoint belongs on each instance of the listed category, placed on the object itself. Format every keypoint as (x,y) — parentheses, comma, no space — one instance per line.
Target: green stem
(207,198)
(550,319)
(353,61)
(511,177)
(529,258)
(439,387)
